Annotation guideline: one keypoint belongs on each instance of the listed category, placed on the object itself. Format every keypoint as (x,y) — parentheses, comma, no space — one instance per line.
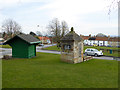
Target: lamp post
(42,35)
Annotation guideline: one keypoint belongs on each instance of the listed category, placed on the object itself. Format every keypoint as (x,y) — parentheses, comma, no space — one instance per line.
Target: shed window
(67,47)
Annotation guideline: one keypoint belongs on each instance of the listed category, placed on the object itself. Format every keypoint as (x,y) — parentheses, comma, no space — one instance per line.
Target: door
(88,51)
(92,52)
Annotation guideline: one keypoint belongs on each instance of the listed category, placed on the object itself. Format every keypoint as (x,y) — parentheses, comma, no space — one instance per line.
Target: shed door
(32,50)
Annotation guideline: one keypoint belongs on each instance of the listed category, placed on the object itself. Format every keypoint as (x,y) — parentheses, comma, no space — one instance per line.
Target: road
(45,46)
(8,51)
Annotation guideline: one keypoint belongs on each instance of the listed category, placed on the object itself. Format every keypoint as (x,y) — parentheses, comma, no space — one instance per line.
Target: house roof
(92,38)
(26,37)
(71,36)
(85,37)
(102,38)
(99,38)
(44,38)
(114,39)
(105,38)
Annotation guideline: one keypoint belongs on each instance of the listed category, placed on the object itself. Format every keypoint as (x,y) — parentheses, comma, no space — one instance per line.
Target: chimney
(81,35)
(89,35)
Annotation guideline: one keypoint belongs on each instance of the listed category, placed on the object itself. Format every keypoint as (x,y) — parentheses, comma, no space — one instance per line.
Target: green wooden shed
(23,45)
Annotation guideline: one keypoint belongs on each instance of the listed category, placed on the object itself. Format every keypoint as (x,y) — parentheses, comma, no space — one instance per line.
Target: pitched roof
(92,38)
(26,37)
(105,38)
(44,38)
(102,38)
(71,36)
(99,38)
(114,39)
(85,37)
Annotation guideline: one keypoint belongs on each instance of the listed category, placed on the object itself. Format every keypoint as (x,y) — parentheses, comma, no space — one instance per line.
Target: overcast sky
(86,16)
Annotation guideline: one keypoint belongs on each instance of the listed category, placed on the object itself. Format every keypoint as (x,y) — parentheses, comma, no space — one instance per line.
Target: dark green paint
(22,49)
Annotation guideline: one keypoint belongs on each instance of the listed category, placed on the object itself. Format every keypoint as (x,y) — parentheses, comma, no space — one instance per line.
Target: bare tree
(48,33)
(38,33)
(57,31)
(113,5)
(64,28)
(11,27)
(54,27)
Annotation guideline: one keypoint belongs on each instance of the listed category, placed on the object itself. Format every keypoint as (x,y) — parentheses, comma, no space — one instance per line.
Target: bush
(6,57)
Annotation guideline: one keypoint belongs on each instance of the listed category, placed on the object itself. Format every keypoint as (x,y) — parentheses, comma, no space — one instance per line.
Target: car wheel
(96,55)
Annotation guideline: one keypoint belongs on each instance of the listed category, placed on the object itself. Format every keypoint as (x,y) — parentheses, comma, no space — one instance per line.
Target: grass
(100,47)
(115,54)
(44,72)
(55,48)
(85,47)
(5,46)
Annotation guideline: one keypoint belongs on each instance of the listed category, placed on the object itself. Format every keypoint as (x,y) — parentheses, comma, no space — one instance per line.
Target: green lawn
(85,47)
(52,48)
(101,47)
(5,46)
(44,72)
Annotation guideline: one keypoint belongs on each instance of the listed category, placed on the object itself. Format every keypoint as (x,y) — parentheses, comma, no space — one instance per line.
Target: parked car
(1,43)
(109,46)
(95,45)
(92,51)
(40,44)
(118,46)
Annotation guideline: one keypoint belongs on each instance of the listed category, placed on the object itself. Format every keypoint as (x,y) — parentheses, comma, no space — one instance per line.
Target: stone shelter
(72,48)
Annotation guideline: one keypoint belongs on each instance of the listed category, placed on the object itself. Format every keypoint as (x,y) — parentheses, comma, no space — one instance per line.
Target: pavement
(8,51)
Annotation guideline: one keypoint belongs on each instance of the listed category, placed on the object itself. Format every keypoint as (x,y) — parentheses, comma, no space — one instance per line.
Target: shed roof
(26,37)
(71,36)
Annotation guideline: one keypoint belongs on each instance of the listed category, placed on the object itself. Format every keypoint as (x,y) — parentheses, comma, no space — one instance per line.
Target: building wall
(78,51)
(19,48)
(73,55)
(31,51)
(112,43)
(92,42)
(67,55)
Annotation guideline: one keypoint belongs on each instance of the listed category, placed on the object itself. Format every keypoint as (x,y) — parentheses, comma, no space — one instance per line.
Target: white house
(101,41)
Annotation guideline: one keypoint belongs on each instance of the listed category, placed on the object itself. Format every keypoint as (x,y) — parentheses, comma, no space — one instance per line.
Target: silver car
(92,51)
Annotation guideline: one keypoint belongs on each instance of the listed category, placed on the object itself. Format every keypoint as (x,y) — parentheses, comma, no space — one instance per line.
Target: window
(67,47)
(88,49)
(91,50)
